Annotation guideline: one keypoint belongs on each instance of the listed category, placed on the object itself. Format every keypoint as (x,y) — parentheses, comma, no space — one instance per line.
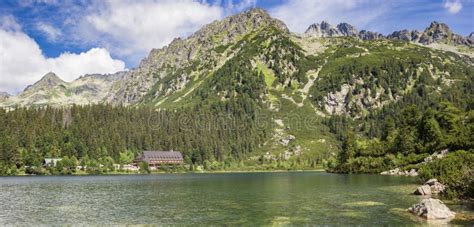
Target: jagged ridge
(435,33)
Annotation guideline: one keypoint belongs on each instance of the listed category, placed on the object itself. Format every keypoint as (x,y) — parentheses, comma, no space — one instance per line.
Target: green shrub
(456,171)
(144,167)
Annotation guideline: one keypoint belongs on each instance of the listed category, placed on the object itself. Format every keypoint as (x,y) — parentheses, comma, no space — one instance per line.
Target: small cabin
(158,158)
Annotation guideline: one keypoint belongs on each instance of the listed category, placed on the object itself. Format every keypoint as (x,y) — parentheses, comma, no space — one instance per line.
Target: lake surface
(221,198)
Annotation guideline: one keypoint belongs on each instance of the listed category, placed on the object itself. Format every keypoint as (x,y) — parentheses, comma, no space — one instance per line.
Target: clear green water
(230,198)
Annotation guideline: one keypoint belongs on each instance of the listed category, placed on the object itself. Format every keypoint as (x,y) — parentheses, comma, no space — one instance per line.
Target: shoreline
(82,173)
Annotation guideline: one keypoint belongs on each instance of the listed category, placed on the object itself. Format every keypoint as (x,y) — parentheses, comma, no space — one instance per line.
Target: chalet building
(158,158)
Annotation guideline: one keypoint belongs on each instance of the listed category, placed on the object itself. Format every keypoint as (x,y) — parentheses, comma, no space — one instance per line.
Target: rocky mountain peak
(325,25)
(368,35)
(214,34)
(49,80)
(470,38)
(436,32)
(324,29)
(347,29)
(181,52)
(343,29)
(4,95)
(437,26)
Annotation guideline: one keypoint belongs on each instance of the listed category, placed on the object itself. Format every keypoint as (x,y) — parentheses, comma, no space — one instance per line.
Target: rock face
(324,29)
(435,33)
(405,35)
(470,38)
(347,30)
(368,35)
(432,209)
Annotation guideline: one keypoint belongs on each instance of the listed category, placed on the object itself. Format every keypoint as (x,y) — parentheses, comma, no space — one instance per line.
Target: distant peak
(257,10)
(325,25)
(4,94)
(324,29)
(50,75)
(49,80)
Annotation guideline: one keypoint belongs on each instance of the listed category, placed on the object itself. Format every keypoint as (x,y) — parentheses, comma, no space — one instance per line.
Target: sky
(77,37)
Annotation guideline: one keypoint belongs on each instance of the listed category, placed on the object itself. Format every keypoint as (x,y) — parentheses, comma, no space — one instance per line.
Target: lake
(219,198)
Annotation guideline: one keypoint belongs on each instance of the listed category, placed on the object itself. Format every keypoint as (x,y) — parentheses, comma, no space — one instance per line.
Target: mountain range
(246,91)
(435,33)
(185,63)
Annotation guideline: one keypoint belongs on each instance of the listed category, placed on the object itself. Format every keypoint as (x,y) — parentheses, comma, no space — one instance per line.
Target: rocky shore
(413,172)
(431,186)
(430,208)
(397,171)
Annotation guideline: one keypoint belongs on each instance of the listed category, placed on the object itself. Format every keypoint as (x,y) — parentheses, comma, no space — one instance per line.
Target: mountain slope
(297,97)
(170,68)
(175,72)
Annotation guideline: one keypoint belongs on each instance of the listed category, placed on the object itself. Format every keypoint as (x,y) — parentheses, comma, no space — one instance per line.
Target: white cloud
(96,60)
(8,23)
(130,29)
(453,6)
(299,14)
(52,33)
(232,7)
(22,62)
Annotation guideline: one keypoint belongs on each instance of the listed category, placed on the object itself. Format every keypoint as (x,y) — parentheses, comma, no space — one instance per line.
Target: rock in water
(423,190)
(434,187)
(432,209)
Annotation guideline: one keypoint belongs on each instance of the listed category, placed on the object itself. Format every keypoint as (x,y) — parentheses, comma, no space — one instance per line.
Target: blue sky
(74,37)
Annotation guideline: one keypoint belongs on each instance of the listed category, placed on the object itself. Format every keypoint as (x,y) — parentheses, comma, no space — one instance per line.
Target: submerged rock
(432,209)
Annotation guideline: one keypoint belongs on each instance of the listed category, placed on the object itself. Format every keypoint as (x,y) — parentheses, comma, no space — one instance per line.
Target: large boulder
(423,190)
(432,209)
(435,186)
